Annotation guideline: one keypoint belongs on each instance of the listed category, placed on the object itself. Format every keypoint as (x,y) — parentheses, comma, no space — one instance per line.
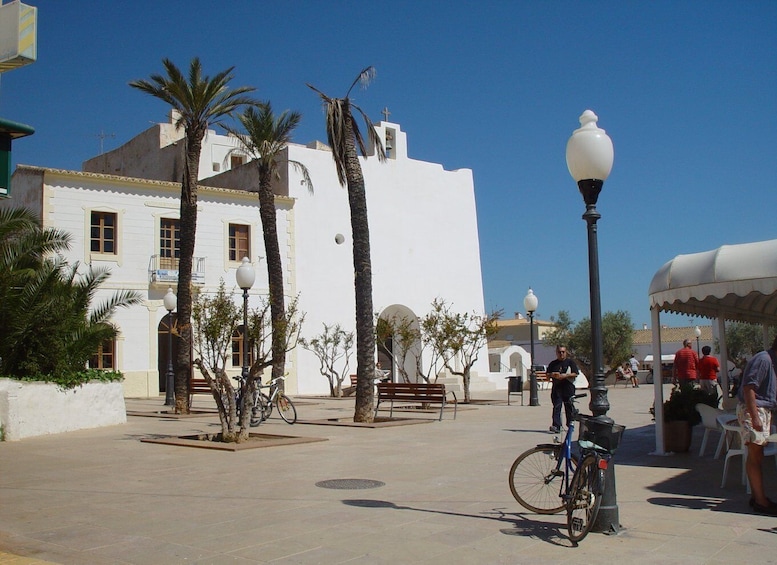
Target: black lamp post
(589,159)
(530,303)
(170,301)
(697,331)
(245,277)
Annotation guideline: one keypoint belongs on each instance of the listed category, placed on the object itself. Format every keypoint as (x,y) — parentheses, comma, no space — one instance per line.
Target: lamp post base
(534,399)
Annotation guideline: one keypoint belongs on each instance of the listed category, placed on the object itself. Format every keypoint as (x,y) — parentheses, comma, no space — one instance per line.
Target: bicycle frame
(565,459)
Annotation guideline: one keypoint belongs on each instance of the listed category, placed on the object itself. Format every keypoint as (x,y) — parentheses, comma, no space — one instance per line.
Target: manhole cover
(350,484)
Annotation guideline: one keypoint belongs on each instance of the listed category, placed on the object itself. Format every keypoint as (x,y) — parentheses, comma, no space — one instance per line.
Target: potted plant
(680,415)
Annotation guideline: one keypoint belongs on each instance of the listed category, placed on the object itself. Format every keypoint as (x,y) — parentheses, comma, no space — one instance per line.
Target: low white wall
(30,409)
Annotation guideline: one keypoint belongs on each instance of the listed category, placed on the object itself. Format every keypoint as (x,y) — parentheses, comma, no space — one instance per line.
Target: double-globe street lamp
(245,277)
(589,159)
(530,303)
(170,301)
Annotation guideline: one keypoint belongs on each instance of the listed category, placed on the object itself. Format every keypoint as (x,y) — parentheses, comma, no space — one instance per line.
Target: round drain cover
(350,484)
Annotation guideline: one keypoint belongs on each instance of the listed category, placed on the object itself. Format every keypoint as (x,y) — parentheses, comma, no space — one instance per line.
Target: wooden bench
(423,393)
(198,386)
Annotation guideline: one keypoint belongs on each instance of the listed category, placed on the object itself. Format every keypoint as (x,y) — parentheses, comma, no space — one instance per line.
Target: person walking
(686,364)
(709,367)
(757,398)
(562,372)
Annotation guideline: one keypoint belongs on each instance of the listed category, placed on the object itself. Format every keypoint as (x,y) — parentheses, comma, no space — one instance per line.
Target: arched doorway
(399,347)
(165,355)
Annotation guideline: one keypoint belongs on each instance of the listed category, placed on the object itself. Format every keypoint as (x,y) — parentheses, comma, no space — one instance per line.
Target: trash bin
(514,386)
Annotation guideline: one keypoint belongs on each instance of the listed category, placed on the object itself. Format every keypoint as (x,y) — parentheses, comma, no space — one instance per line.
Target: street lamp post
(530,303)
(245,277)
(170,301)
(697,331)
(589,159)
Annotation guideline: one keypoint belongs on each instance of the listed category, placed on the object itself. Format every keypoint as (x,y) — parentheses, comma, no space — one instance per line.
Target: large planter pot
(677,436)
(30,409)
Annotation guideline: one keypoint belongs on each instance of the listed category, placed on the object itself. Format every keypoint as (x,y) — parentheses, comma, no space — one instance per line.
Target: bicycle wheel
(286,409)
(585,498)
(256,410)
(266,405)
(535,481)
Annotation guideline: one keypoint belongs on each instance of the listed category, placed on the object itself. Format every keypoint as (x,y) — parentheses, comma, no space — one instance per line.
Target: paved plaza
(438,494)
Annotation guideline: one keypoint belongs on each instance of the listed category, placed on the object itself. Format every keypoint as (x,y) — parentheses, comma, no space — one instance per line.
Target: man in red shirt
(708,370)
(686,363)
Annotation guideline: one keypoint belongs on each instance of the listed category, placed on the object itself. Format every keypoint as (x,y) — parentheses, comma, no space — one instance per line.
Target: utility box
(18,35)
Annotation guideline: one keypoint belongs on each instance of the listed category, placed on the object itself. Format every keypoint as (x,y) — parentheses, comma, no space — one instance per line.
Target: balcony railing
(164,270)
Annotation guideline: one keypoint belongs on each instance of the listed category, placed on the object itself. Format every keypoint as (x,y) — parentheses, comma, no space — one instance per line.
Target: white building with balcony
(123,209)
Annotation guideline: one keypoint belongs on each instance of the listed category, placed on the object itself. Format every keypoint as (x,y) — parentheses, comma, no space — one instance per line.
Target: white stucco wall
(35,409)
(423,238)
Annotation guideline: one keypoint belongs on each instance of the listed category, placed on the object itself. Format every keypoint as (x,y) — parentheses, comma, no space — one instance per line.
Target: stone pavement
(439,494)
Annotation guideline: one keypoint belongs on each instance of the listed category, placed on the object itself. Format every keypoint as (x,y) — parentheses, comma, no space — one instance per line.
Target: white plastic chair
(709,420)
(730,426)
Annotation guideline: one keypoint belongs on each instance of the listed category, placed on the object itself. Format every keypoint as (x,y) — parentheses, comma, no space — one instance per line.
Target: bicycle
(548,478)
(256,418)
(263,403)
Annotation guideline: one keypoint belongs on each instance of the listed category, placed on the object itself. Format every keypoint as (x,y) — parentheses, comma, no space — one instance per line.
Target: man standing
(757,398)
(686,363)
(634,364)
(708,370)
(562,372)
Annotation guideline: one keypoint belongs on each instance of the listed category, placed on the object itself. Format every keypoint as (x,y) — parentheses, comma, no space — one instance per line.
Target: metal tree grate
(350,484)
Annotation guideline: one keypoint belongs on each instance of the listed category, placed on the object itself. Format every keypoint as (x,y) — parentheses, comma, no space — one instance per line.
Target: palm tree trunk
(365,331)
(267,214)
(188,232)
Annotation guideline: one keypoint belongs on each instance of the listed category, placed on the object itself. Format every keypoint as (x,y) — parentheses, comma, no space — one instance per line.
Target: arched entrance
(165,355)
(399,348)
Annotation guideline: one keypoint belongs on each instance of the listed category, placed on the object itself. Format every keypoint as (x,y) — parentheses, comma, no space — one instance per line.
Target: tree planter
(677,436)
(29,409)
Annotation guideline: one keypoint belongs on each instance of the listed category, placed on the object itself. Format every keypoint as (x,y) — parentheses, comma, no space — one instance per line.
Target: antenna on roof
(102,135)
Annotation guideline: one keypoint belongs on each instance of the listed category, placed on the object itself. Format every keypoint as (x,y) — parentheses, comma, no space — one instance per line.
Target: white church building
(123,209)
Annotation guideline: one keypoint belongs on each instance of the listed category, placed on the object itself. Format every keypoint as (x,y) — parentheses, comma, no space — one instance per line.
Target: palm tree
(49,325)
(200,101)
(343,135)
(265,139)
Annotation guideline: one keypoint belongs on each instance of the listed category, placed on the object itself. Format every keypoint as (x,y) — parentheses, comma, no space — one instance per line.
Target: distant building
(671,342)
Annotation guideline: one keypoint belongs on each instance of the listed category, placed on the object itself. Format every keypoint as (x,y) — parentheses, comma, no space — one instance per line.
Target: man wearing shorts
(757,398)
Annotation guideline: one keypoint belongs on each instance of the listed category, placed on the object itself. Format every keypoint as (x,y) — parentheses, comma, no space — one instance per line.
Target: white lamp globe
(530,301)
(170,300)
(589,151)
(245,274)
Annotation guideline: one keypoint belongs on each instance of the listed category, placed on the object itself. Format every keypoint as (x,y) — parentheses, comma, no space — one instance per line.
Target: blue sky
(686,90)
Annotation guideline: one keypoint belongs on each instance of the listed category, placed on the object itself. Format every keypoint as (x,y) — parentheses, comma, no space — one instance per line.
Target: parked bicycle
(549,478)
(256,411)
(263,403)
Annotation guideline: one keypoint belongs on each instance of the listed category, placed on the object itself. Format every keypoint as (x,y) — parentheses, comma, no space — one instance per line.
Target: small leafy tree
(456,336)
(332,347)
(617,339)
(743,341)
(215,321)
